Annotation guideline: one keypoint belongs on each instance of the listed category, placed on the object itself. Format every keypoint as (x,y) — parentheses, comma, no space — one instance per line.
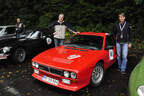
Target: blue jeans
(122,52)
(17,35)
(58,42)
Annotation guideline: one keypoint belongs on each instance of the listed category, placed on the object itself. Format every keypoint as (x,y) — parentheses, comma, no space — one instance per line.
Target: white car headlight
(73,75)
(140,90)
(6,49)
(33,64)
(37,65)
(36,71)
(66,74)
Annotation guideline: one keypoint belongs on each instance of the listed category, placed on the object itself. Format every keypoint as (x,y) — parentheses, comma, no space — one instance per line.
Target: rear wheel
(97,75)
(19,55)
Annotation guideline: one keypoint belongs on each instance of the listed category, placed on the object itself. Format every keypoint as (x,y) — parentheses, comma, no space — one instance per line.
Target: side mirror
(109,47)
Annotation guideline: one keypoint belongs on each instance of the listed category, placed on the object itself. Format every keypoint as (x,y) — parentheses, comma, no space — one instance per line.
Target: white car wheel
(97,75)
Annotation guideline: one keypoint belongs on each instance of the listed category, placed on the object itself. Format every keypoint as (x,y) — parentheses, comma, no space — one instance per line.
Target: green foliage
(139,1)
(45,20)
(91,28)
(83,15)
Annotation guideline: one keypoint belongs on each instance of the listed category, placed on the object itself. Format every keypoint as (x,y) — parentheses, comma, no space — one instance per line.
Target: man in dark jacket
(19,27)
(122,33)
(59,27)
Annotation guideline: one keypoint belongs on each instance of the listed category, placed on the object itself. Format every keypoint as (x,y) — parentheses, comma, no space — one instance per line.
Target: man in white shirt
(59,28)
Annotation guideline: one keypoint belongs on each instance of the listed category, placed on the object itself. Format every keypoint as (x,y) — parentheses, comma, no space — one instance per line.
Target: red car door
(110,51)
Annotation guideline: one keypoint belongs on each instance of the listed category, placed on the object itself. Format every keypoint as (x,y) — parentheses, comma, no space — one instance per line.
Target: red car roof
(93,33)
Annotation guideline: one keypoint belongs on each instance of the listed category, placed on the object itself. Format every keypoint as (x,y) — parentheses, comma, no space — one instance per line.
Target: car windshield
(34,35)
(86,41)
(1,32)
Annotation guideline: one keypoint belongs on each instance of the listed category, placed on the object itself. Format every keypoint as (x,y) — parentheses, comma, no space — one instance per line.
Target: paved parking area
(16,80)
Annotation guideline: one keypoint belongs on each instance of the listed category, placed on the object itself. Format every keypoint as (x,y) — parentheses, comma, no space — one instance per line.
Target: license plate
(50,80)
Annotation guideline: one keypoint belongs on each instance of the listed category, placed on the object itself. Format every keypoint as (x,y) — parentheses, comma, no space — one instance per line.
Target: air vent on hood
(84,50)
(75,49)
(67,48)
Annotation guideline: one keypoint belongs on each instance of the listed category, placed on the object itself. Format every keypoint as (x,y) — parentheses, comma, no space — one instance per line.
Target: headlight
(66,74)
(73,75)
(36,71)
(35,64)
(6,49)
(140,90)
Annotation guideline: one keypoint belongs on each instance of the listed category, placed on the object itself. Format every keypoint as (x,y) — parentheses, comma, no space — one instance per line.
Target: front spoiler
(60,85)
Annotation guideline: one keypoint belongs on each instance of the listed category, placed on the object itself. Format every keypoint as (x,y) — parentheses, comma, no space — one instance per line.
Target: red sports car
(80,61)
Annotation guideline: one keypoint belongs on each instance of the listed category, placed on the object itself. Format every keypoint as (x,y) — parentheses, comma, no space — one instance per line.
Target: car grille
(51,70)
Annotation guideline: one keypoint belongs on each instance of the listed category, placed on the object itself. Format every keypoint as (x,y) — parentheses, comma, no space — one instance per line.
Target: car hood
(11,41)
(67,57)
(6,41)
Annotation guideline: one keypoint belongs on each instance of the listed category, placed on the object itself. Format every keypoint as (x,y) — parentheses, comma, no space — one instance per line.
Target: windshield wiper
(71,45)
(92,48)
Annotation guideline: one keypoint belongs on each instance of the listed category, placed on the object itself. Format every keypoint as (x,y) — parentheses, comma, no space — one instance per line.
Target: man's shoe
(123,72)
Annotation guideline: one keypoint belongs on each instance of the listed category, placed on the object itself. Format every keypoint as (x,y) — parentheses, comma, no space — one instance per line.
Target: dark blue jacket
(122,36)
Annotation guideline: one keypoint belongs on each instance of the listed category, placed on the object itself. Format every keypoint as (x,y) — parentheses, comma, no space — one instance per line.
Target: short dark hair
(122,14)
(18,18)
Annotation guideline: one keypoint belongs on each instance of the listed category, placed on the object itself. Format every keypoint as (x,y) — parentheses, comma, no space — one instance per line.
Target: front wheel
(19,55)
(97,75)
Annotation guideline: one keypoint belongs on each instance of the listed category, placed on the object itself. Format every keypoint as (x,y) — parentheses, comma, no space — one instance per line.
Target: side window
(109,41)
(10,30)
(40,35)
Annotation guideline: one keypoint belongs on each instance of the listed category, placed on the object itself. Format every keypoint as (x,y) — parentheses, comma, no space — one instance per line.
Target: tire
(97,75)
(19,55)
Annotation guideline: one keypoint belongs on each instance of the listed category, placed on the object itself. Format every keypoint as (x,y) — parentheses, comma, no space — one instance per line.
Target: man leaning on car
(59,28)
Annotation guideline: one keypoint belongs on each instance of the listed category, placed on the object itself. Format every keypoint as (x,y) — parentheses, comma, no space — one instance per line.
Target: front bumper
(74,85)
(3,56)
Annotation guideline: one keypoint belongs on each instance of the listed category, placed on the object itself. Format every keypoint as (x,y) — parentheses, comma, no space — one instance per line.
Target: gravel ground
(16,80)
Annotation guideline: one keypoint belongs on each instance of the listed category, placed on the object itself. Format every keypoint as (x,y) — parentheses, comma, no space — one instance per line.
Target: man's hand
(107,33)
(54,33)
(129,45)
(77,32)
